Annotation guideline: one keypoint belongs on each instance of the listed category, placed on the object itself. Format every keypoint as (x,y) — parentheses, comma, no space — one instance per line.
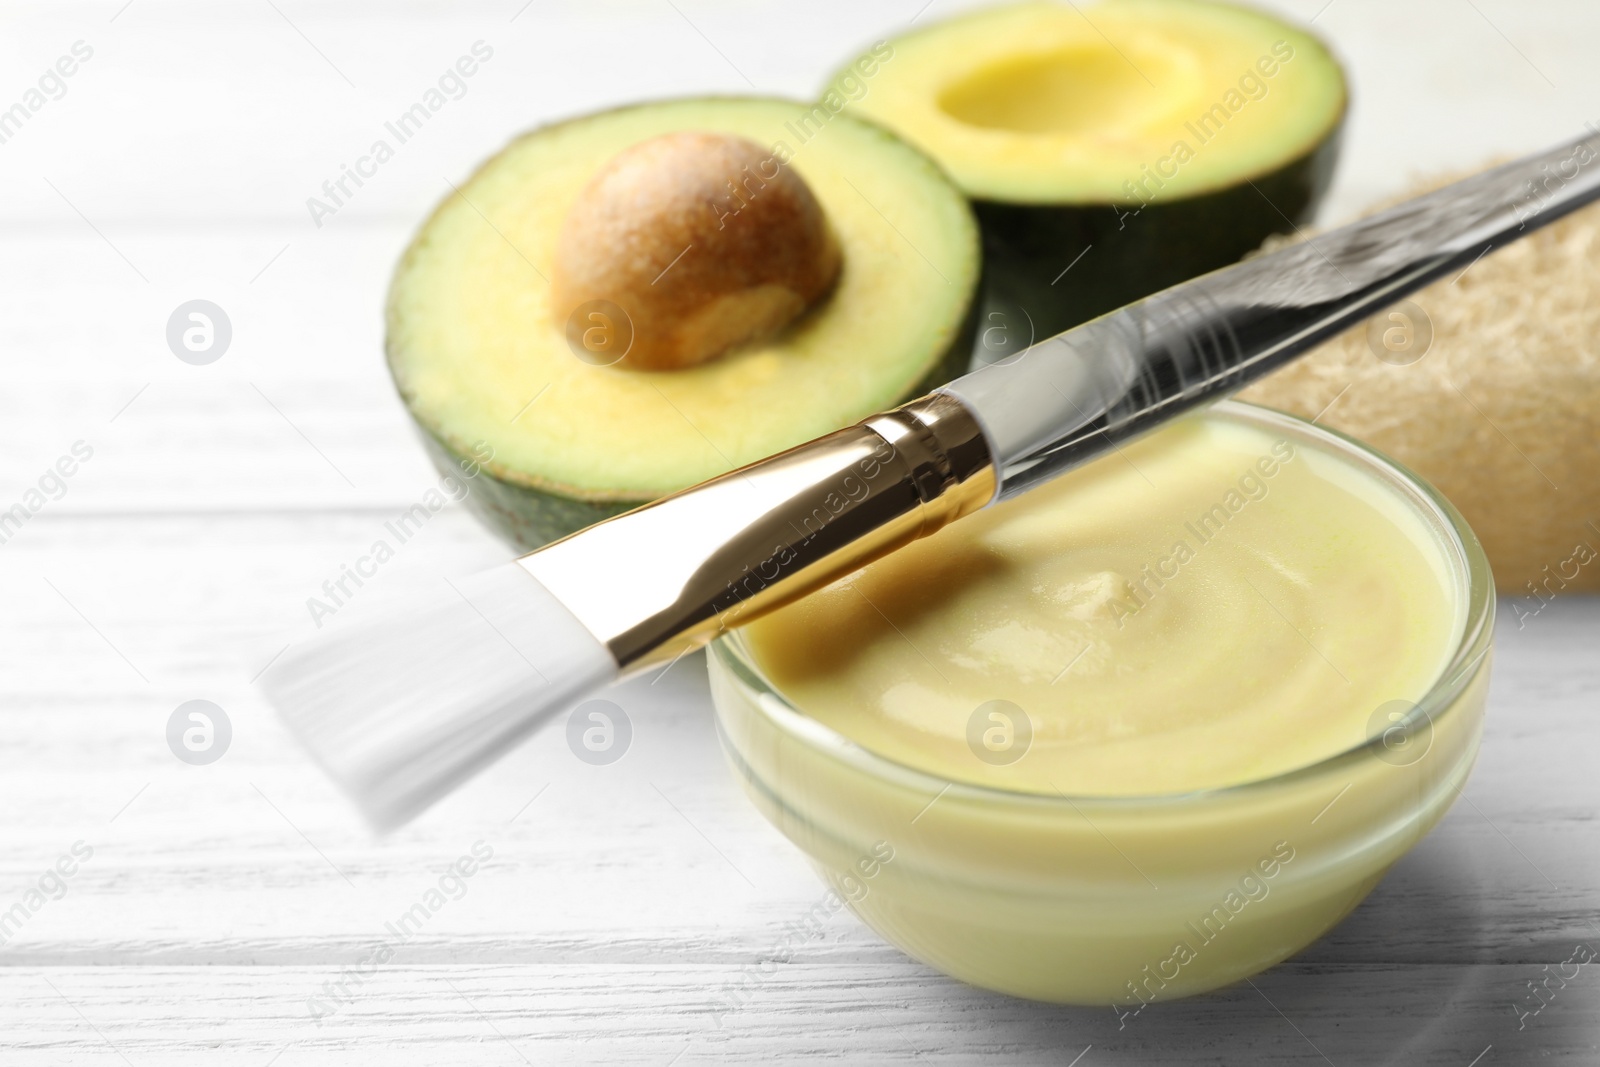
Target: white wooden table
(221,901)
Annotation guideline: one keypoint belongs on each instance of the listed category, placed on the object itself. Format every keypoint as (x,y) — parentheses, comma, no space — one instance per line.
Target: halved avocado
(1155,139)
(483,362)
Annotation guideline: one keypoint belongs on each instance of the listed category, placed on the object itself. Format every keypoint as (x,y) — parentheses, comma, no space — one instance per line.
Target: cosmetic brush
(401,710)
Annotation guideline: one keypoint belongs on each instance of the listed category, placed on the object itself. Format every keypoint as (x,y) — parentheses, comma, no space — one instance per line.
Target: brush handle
(1074,396)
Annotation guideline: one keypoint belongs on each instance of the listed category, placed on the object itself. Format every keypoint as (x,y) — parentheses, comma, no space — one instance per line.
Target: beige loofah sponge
(1501,411)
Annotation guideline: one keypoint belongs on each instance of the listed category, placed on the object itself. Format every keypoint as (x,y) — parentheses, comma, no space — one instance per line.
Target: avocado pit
(704,241)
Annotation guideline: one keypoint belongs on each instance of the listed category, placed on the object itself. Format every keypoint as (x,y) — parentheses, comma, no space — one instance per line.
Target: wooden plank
(650,1014)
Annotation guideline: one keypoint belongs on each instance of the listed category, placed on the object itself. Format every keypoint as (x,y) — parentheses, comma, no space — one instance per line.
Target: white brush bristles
(401,709)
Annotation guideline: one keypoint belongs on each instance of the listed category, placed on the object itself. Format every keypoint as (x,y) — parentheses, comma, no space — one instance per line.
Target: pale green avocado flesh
(482,361)
(1110,150)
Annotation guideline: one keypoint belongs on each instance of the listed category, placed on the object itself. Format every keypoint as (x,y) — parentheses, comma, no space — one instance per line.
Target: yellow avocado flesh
(1063,103)
(482,359)
(1270,640)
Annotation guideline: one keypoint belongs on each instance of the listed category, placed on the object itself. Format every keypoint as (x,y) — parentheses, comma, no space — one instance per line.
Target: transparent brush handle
(1072,397)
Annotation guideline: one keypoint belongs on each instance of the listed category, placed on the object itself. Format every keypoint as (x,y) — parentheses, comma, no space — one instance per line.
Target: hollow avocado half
(1112,149)
(554,442)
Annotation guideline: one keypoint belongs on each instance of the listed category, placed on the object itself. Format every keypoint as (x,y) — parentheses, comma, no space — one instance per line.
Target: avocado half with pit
(571,350)
(1110,150)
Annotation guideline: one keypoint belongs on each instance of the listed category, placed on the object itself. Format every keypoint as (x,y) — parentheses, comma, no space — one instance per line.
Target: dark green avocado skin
(1049,267)
(527,518)
(531,518)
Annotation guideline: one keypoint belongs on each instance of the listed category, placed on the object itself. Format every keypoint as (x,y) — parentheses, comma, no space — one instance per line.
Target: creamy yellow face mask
(1212,605)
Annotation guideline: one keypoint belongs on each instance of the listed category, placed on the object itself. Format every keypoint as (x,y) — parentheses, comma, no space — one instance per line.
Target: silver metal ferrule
(668,577)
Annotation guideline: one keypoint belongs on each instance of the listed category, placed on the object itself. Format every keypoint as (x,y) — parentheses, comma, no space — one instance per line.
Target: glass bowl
(1121,900)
